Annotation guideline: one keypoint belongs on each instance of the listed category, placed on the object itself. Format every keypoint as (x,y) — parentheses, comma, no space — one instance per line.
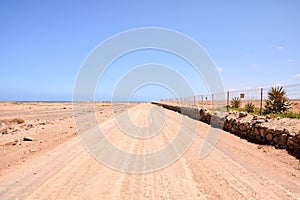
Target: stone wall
(259,129)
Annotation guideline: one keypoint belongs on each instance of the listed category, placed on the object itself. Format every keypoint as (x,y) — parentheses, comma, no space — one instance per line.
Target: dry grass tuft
(13,121)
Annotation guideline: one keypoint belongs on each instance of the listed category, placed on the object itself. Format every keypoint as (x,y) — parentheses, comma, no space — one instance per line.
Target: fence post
(212,101)
(261,99)
(227,101)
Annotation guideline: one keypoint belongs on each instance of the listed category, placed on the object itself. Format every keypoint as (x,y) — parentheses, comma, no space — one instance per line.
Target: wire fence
(256,96)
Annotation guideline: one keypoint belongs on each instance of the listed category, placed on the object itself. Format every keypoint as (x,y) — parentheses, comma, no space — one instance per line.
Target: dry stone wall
(263,130)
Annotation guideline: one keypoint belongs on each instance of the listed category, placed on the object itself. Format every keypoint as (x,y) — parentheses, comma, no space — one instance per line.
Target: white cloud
(219,69)
(279,47)
(297,75)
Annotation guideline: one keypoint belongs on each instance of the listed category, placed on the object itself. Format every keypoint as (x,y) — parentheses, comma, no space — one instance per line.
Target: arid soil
(47,124)
(234,169)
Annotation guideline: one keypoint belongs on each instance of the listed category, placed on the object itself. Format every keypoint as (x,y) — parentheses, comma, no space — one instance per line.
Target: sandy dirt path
(235,169)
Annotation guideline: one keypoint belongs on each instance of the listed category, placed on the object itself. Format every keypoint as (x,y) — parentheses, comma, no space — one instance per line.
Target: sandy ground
(48,124)
(235,169)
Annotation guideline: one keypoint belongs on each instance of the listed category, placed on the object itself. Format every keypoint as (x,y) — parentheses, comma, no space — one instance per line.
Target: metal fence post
(227,101)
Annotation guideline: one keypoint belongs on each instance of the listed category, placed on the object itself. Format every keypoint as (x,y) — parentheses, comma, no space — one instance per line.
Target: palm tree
(277,101)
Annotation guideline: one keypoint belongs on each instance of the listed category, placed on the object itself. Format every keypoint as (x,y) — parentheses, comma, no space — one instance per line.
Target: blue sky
(44,43)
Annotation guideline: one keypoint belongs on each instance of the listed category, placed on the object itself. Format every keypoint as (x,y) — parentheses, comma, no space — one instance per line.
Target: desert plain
(42,157)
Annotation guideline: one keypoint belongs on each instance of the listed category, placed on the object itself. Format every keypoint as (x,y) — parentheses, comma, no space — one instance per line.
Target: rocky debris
(259,121)
(15,130)
(44,123)
(28,126)
(17,142)
(260,129)
(32,150)
(242,114)
(4,132)
(28,139)
(269,137)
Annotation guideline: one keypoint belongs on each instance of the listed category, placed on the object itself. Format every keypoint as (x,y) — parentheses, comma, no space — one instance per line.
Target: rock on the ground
(4,132)
(259,121)
(28,139)
(242,114)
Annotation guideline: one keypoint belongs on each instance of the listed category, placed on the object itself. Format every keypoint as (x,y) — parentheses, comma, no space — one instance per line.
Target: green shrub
(235,102)
(287,115)
(277,101)
(250,107)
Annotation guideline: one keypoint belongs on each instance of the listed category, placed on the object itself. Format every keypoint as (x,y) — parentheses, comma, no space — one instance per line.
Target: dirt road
(235,168)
